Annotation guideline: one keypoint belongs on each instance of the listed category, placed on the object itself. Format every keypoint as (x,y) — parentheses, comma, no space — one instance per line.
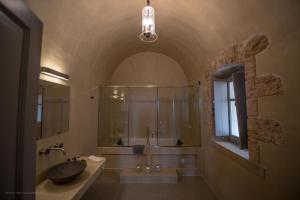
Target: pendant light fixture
(148,24)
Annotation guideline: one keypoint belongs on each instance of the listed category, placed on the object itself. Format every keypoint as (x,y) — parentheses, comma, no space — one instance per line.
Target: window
(39,110)
(221,109)
(39,116)
(230,109)
(40,106)
(234,129)
(232,114)
(226,122)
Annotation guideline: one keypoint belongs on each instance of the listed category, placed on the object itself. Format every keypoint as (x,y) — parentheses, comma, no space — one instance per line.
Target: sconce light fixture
(51,72)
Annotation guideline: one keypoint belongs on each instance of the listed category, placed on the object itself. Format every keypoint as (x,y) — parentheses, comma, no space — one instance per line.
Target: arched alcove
(149,68)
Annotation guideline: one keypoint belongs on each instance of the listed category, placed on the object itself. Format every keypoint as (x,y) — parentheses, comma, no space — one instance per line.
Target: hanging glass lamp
(148,24)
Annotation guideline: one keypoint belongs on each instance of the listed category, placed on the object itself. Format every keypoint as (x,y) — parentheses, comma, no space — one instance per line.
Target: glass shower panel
(179,110)
(113,116)
(195,116)
(166,117)
(143,115)
(169,115)
(187,116)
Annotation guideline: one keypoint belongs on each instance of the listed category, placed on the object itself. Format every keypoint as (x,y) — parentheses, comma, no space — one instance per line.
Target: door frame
(19,12)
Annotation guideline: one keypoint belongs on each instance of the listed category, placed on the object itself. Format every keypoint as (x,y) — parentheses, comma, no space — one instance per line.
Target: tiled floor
(107,187)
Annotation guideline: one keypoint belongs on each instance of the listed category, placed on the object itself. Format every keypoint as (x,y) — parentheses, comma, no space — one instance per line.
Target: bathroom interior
(160,99)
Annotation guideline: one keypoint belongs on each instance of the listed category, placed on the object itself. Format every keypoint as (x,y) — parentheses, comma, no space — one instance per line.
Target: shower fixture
(148,24)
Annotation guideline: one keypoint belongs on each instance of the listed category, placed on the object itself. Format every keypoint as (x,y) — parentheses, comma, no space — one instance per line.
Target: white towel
(96,159)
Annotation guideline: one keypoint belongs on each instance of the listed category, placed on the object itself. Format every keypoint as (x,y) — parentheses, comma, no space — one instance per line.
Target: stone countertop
(74,190)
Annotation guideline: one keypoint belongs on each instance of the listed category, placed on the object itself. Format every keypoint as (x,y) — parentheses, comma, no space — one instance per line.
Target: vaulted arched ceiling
(96,35)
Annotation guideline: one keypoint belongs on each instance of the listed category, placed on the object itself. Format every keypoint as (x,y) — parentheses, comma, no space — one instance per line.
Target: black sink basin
(66,172)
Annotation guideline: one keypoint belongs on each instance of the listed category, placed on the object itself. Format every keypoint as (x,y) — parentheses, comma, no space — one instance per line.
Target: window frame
(231,138)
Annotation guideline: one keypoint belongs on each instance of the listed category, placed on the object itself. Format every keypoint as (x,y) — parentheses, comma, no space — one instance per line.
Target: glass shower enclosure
(169,116)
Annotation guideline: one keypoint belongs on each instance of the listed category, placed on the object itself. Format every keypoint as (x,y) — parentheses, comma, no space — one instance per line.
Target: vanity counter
(74,190)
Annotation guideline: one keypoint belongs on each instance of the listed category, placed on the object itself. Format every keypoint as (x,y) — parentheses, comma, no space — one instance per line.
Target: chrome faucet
(57,147)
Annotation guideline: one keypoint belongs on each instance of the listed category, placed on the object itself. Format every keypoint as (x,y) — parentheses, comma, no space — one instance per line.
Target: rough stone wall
(268,85)
(259,130)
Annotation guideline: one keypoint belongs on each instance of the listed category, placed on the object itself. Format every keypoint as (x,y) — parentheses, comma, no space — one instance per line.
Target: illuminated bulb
(148,24)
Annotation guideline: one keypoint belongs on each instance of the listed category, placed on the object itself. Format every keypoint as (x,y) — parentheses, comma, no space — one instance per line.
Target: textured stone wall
(268,85)
(259,130)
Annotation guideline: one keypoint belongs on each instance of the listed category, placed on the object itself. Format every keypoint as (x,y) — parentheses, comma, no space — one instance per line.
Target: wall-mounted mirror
(53,109)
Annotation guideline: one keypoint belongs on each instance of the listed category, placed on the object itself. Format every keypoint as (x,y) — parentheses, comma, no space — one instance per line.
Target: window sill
(244,153)
(240,156)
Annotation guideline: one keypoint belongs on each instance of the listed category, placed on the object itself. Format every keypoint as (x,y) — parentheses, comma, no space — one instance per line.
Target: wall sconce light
(51,72)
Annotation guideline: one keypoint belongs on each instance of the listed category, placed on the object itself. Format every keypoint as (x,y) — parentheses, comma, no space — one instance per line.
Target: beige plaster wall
(149,68)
